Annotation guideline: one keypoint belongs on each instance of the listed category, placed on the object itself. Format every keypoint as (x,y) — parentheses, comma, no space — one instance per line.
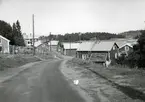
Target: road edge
(22,68)
(78,88)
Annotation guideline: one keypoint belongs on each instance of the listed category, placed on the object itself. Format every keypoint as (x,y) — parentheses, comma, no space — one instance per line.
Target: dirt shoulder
(71,75)
(106,84)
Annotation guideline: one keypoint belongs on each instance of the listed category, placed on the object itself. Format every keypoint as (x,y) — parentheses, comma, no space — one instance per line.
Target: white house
(29,39)
(4,45)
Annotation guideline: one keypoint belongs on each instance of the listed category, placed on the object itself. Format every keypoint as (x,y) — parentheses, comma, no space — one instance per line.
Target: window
(114,47)
(116,55)
(126,48)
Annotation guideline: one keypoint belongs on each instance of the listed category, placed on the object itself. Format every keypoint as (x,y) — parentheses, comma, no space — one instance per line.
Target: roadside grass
(11,61)
(129,81)
(46,56)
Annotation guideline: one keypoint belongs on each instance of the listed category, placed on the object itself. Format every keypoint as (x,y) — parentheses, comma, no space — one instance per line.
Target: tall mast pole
(70,45)
(33,34)
(50,41)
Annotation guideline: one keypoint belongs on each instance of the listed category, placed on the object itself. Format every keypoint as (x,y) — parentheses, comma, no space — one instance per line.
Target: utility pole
(50,41)
(33,34)
(79,37)
(70,45)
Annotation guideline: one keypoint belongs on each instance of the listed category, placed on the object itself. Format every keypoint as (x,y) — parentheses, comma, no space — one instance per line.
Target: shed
(69,49)
(53,44)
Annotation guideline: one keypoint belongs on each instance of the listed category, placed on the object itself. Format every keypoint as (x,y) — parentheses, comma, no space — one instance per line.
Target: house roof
(53,42)
(45,44)
(37,43)
(124,42)
(71,45)
(4,38)
(30,36)
(85,46)
(96,46)
(127,44)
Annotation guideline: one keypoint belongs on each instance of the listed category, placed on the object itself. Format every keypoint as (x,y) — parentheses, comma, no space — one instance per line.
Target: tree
(141,49)
(17,34)
(137,57)
(13,33)
(6,30)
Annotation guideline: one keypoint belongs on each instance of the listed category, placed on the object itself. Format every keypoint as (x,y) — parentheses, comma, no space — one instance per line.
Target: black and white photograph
(72,50)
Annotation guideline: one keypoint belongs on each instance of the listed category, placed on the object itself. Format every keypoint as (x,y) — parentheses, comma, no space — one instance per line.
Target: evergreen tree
(141,49)
(17,34)
(6,30)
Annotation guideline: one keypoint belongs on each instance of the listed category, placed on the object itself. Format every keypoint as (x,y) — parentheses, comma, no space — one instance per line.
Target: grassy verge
(11,61)
(128,81)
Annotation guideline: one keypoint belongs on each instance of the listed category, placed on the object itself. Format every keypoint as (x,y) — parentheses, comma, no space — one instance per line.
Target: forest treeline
(82,36)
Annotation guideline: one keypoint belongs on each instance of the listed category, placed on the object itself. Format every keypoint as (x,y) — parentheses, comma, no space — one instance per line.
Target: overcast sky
(62,16)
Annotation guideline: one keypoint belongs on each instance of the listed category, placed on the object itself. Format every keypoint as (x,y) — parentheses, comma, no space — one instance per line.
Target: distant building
(69,49)
(42,48)
(29,39)
(4,45)
(125,49)
(53,44)
(125,46)
(98,51)
(37,43)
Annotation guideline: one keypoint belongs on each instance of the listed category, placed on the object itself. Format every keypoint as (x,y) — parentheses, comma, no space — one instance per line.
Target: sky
(67,16)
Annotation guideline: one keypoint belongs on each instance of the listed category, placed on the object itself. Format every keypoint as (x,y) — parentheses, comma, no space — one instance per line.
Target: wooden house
(98,51)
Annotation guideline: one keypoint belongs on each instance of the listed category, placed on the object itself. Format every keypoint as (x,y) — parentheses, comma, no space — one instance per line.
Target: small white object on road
(76,82)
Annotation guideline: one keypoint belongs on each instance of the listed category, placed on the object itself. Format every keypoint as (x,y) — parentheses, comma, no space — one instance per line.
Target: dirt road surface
(41,82)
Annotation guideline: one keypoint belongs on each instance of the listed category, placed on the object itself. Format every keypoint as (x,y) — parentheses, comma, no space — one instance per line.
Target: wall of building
(42,49)
(70,52)
(82,54)
(29,42)
(114,53)
(53,47)
(125,50)
(97,56)
(5,45)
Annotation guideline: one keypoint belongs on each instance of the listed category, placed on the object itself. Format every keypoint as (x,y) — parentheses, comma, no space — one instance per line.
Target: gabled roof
(123,42)
(70,45)
(4,38)
(85,46)
(96,46)
(53,42)
(127,44)
(45,44)
(30,36)
(37,43)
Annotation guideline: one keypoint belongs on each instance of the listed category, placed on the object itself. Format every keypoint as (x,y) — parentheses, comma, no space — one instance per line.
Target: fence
(20,50)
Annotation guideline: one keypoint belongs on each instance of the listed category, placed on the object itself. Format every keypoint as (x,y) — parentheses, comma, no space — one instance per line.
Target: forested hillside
(82,36)
(132,34)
